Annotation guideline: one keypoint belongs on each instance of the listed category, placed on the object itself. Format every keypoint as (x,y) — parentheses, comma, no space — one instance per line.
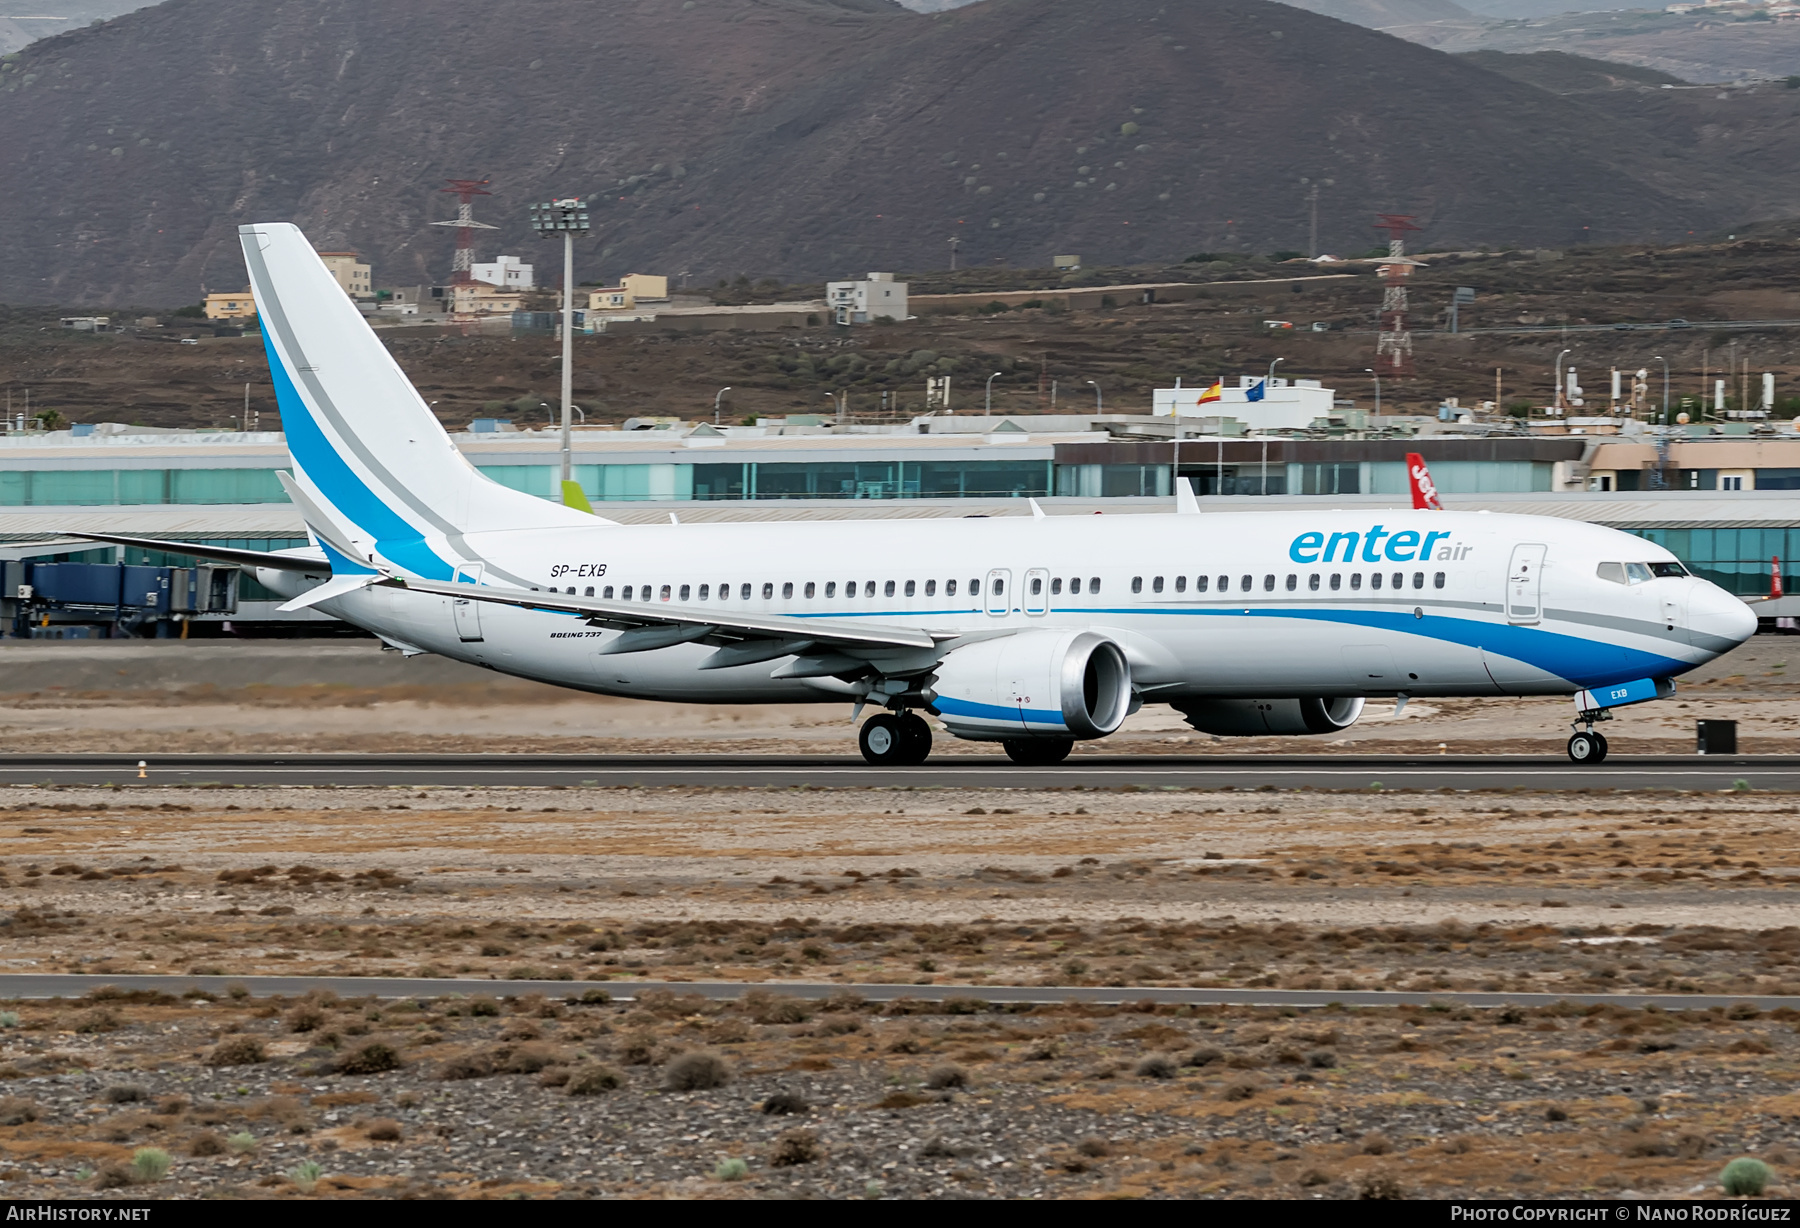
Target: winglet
(1037,513)
(1185,503)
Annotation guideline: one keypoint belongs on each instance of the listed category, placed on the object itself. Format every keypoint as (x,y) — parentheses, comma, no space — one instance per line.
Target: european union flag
(1256,393)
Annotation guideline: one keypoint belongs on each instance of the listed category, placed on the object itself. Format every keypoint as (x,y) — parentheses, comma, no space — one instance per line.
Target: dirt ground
(579,1098)
(144,697)
(122,1094)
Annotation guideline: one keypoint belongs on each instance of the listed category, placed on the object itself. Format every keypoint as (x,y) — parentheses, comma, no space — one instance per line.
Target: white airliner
(1031,632)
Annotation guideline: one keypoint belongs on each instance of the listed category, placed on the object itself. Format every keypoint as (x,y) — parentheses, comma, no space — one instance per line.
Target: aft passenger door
(1525,584)
(467,612)
(1037,591)
(999,591)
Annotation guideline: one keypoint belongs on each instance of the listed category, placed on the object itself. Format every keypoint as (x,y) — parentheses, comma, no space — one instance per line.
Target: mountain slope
(798,138)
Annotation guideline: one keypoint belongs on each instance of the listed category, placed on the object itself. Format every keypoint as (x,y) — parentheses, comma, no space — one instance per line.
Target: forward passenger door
(1525,584)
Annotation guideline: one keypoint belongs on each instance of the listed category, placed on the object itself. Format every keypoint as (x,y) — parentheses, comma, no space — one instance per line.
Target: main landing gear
(1587,746)
(891,739)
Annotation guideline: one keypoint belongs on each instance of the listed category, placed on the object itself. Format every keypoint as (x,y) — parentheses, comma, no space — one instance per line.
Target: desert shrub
(766,1007)
(306,1175)
(1156,1066)
(1556,1113)
(785,1103)
(1314,1177)
(242,1143)
(1205,1055)
(206,1143)
(383,1130)
(123,1093)
(696,1072)
(1094,1148)
(794,1147)
(531,1057)
(733,1169)
(1376,1144)
(372,1058)
(948,1075)
(100,1019)
(467,1066)
(638,1050)
(1379,1187)
(9,1019)
(553,1076)
(150,1164)
(305,1018)
(593,1079)
(237,1051)
(1241,1089)
(16,1110)
(1745,1177)
(1321,1059)
(483,1006)
(114,1176)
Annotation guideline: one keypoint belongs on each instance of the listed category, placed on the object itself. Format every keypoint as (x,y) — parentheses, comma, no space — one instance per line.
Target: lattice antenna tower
(1393,344)
(462,269)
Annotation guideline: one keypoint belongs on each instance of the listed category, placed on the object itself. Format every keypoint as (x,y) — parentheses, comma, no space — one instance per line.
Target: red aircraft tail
(1424,491)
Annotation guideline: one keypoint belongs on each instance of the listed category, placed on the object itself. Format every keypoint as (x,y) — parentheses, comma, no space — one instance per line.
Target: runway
(1774,773)
(15,987)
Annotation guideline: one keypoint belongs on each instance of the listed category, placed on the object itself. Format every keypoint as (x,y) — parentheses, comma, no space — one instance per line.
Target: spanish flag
(1215,393)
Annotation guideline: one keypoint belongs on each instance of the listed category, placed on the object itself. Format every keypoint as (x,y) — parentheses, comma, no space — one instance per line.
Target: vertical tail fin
(1424,491)
(366,449)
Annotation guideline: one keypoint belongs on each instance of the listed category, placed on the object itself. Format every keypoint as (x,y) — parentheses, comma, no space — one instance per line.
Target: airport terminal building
(1728,505)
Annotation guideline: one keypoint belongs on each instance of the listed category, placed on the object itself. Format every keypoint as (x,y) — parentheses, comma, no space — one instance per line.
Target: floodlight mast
(568,216)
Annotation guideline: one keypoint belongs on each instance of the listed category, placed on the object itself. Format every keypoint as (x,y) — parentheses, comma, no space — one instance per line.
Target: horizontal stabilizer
(337,586)
(314,565)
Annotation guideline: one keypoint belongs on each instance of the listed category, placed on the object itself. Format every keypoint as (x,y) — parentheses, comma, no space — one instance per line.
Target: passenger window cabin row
(1315,581)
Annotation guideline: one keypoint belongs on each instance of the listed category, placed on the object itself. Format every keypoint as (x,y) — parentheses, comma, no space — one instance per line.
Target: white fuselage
(1242,604)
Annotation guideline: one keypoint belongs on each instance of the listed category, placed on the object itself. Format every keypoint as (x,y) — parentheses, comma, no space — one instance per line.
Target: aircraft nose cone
(1717,620)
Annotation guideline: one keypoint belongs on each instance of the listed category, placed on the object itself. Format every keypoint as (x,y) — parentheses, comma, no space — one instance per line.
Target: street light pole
(567,216)
(1270,381)
(988,406)
(717,397)
(1099,399)
(1557,372)
(1377,375)
(1665,412)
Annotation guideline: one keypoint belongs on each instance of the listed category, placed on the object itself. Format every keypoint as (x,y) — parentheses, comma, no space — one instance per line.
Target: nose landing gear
(1587,746)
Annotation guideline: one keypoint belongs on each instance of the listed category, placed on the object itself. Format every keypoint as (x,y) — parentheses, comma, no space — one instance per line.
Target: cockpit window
(1638,573)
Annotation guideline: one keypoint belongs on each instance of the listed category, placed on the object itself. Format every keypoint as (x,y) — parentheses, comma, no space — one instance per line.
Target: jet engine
(1048,684)
(1243,718)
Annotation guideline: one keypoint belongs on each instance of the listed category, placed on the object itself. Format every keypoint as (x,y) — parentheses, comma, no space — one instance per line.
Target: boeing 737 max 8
(1032,632)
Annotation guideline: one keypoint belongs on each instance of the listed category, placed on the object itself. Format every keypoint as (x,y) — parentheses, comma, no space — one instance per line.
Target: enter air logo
(1377,545)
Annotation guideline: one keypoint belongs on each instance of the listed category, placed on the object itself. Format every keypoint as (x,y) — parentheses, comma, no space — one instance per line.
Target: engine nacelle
(1052,684)
(1244,718)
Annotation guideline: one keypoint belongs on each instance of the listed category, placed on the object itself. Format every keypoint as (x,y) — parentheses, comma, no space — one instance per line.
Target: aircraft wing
(654,625)
(307,564)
